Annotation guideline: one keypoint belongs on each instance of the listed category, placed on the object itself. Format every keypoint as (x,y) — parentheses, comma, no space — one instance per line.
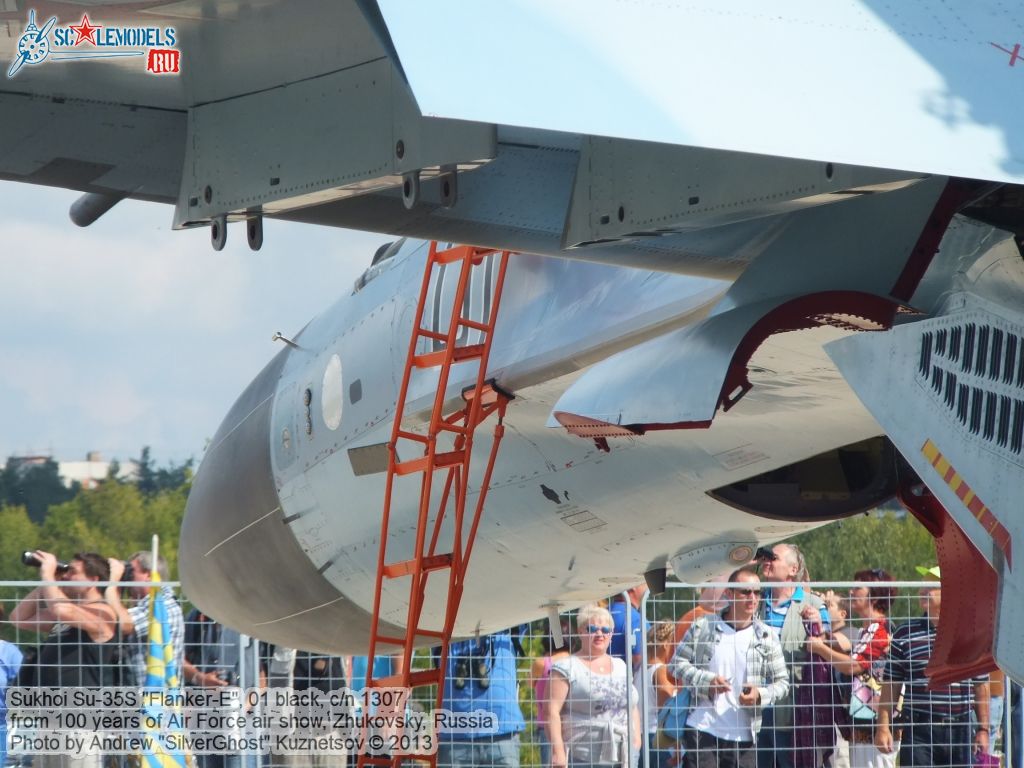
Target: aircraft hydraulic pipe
(90,206)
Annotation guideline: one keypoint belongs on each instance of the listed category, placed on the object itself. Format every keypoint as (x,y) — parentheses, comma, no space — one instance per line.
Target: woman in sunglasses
(864,664)
(589,713)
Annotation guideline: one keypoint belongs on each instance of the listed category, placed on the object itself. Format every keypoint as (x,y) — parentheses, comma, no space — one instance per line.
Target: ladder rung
(418,677)
(429,359)
(425,677)
(437,335)
(448,458)
(390,640)
(422,464)
(413,436)
(468,352)
(430,633)
(429,563)
(452,254)
(412,465)
(450,427)
(475,325)
(434,359)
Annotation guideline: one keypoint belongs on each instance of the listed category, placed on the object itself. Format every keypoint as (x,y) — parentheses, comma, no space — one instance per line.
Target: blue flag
(162,733)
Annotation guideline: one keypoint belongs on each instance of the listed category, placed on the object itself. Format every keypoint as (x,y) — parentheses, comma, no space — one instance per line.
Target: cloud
(126,334)
(97,282)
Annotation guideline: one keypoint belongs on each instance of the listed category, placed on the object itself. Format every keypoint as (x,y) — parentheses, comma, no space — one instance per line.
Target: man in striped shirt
(937,726)
(135,620)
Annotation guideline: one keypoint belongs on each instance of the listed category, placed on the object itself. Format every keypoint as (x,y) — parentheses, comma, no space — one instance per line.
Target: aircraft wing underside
(613,128)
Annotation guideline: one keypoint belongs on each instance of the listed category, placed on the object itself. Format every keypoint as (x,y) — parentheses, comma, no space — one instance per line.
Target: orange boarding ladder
(479,402)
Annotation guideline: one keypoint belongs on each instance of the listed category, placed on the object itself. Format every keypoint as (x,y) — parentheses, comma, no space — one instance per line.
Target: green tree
(146,481)
(17,534)
(36,488)
(153,480)
(116,519)
(895,542)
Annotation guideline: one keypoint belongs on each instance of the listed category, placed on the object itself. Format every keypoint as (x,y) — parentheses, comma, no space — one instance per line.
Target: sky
(126,333)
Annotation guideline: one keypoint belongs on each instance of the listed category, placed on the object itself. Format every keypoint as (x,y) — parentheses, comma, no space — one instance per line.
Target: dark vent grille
(965,364)
(1017,430)
(992,355)
(1005,404)
(981,359)
(977,401)
(1009,359)
(963,397)
(995,357)
(926,353)
(990,415)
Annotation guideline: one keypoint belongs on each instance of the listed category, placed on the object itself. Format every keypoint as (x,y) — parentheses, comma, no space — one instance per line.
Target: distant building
(88,473)
(93,470)
(23,464)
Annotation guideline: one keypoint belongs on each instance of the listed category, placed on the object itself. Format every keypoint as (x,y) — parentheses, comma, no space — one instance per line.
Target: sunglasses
(746,592)
(594,629)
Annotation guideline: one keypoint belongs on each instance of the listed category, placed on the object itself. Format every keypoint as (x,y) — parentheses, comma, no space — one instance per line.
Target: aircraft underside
(566,522)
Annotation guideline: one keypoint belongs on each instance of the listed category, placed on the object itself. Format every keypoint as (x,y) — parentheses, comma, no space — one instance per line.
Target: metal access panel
(631,189)
(91,146)
(343,134)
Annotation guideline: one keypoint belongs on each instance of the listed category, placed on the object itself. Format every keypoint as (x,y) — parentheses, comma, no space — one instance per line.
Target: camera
(765,555)
(29,558)
(129,571)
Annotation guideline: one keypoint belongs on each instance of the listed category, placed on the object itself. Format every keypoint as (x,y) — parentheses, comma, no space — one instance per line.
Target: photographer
(81,648)
(134,621)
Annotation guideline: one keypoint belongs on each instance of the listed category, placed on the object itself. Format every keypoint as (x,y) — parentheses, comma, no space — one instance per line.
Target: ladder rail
(396,430)
(481,400)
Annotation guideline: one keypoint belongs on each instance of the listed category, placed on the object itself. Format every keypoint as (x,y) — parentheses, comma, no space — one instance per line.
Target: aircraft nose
(237,558)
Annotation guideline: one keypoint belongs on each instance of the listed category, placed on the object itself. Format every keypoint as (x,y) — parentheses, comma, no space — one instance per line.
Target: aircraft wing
(604,121)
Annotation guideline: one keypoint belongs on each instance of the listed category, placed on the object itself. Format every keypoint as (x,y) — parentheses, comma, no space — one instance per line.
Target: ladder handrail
(456,462)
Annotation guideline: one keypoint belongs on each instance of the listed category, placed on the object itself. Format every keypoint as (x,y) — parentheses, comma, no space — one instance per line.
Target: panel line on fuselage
(242,530)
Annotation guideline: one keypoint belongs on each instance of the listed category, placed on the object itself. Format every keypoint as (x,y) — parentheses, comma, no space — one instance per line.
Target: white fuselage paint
(565,522)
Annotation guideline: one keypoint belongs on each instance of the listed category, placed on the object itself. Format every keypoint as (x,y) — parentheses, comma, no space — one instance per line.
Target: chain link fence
(624,713)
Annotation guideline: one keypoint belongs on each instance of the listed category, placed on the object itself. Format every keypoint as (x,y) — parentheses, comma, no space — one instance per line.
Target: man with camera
(134,621)
(481,675)
(81,648)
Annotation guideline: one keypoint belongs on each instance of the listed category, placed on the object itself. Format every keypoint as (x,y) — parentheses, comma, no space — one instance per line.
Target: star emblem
(86,32)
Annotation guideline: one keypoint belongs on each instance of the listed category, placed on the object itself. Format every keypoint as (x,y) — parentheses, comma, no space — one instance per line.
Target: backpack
(673,713)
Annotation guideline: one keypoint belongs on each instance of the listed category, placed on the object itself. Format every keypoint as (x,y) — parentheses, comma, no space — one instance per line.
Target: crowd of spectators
(763,673)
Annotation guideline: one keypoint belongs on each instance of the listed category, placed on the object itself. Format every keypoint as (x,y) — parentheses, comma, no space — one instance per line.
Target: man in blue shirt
(637,626)
(481,675)
(786,607)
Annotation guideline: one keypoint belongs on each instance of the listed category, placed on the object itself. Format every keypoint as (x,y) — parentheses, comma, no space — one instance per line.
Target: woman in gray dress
(592,714)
